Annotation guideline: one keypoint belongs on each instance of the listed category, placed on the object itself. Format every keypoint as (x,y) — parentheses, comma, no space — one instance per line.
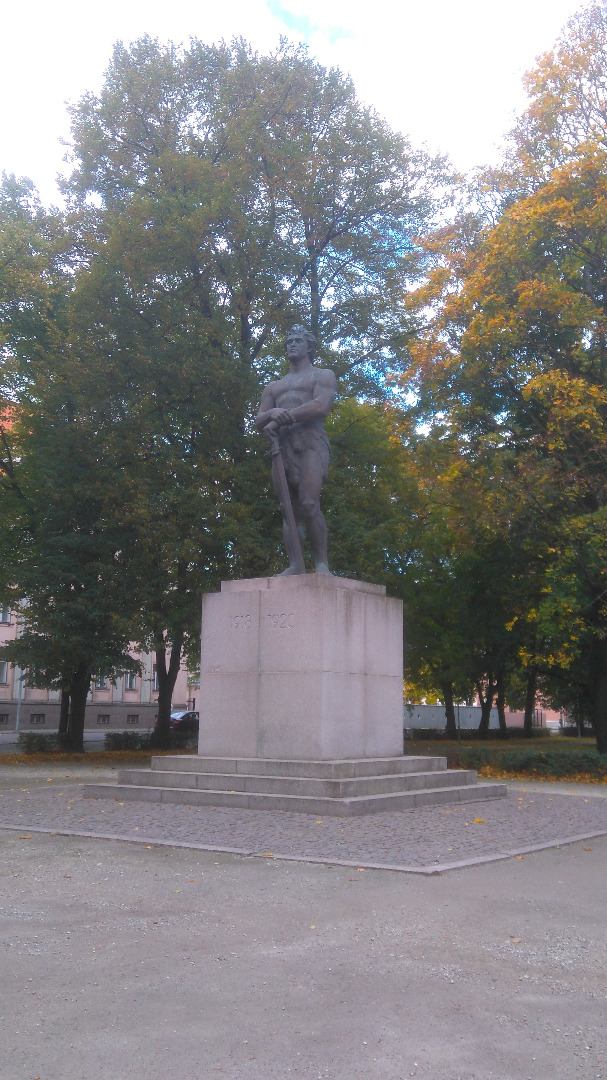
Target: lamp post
(19,697)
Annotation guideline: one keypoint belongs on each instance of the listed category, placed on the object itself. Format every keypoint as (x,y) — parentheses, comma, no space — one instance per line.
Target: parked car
(185,721)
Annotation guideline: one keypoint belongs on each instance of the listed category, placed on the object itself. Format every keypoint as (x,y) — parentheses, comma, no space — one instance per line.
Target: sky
(445,73)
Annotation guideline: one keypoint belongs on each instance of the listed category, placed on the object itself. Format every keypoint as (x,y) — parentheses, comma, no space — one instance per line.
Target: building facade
(129,703)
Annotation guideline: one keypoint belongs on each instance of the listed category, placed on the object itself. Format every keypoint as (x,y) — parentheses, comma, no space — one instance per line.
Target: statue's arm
(267,403)
(319,407)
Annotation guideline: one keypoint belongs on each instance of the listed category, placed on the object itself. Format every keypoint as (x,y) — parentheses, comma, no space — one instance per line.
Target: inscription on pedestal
(242,622)
(283,621)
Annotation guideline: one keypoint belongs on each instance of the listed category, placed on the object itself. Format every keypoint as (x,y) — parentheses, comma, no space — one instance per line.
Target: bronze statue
(291,414)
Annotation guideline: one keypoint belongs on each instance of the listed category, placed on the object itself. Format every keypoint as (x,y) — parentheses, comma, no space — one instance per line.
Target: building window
(3,718)
(154,678)
(3,672)
(100,682)
(103,718)
(130,681)
(37,718)
(132,718)
(5,614)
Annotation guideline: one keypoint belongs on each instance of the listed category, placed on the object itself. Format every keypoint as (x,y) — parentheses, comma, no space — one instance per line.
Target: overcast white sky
(446,73)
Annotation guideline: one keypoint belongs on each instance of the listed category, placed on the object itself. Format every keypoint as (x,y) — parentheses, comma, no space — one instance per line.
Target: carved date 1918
(241,622)
(282,622)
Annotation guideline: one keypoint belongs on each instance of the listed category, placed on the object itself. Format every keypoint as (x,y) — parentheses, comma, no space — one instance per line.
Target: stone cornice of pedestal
(308,581)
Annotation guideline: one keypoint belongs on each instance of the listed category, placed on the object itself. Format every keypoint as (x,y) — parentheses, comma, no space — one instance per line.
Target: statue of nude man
(294,409)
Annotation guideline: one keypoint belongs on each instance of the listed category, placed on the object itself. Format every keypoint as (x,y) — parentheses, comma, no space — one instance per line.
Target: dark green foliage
(126,740)
(533,762)
(35,742)
(178,740)
(148,740)
(472,734)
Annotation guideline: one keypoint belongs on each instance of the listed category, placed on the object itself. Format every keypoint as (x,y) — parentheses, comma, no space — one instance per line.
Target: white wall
(433,716)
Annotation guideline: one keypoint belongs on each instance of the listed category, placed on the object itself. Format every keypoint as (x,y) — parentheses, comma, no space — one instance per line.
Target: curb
(437,868)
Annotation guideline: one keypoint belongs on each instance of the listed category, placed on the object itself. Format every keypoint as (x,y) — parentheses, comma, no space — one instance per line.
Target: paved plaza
(174,957)
(424,840)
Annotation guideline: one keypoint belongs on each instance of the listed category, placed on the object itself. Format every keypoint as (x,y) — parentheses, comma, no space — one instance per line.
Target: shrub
(178,740)
(472,734)
(146,740)
(558,763)
(37,742)
(127,740)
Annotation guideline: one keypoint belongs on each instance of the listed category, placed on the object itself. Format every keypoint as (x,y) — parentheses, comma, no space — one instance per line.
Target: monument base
(301,708)
(335,788)
(302,668)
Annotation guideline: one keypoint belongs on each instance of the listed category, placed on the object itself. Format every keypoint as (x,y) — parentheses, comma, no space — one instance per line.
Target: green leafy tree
(516,357)
(61,564)
(272,193)
(218,196)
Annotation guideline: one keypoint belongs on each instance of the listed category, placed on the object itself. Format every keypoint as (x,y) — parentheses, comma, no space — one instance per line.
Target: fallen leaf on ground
(26,836)
(479,821)
(587,849)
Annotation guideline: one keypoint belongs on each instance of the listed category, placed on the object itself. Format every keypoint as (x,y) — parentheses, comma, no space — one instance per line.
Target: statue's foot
(322,568)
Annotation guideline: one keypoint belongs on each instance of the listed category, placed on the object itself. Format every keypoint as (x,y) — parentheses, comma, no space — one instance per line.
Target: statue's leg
(310,486)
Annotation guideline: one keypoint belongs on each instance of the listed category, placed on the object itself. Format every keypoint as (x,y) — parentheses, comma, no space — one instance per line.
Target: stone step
(330,770)
(337,807)
(297,785)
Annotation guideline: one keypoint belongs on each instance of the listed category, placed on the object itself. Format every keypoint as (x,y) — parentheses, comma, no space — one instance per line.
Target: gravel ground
(422,840)
(155,960)
(122,961)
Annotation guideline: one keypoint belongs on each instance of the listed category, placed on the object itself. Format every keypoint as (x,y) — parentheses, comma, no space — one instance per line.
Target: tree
(61,565)
(273,191)
(218,196)
(516,356)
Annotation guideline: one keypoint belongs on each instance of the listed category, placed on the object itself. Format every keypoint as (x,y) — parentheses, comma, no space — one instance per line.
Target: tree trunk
(486,701)
(78,692)
(530,702)
(167,677)
(314,296)
(447,692)
(501,707)
(64,714)
(599,699)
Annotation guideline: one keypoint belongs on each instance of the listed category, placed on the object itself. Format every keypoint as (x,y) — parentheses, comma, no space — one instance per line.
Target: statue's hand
(281,417)
(271,433)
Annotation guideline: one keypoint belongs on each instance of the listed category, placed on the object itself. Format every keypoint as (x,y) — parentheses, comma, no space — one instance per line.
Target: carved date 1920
(282,622)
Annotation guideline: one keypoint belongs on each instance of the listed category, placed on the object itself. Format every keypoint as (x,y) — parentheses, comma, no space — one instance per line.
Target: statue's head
(308,335)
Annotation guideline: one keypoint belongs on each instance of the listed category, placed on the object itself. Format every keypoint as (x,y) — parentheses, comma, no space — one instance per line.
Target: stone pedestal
(301,668)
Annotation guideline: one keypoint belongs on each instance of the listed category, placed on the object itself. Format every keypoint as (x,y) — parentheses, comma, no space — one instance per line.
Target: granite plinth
(335,788)
(302,668)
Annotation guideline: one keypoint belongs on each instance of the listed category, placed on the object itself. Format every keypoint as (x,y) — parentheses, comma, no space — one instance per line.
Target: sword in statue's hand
(271,433)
